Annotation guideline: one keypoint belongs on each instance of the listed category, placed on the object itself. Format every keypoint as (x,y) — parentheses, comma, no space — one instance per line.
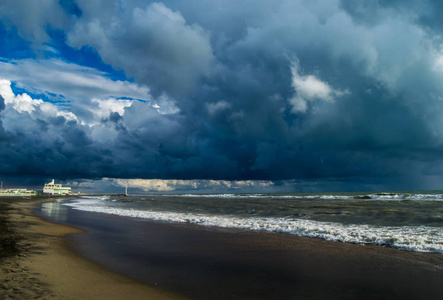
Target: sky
(222,95)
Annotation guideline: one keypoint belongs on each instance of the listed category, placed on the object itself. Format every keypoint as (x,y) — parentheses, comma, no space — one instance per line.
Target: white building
(56,189)
(17,192)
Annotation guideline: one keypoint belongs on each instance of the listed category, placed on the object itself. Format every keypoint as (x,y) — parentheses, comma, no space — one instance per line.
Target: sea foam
(411,238)
(377,196)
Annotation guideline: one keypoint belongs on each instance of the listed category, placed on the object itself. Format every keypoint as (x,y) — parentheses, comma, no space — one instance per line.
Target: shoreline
(43,266)
(222,263)
(55,262)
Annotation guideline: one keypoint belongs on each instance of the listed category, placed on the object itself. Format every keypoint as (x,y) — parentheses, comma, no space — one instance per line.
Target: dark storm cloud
(2,103)
(245,90)
(150,43)
(2,131)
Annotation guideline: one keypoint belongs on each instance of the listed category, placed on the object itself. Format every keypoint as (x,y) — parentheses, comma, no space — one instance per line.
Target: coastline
(203,262)
(199,262)
(36,262)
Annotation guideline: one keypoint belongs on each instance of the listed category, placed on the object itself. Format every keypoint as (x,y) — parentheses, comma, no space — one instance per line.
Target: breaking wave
(374,196)
(411,238)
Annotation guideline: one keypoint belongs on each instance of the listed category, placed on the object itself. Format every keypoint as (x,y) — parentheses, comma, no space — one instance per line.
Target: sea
(410,221)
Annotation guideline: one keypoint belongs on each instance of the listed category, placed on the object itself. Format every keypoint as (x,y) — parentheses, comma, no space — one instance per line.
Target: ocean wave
(411,238)
(373,196)
(98,198)
(422,197)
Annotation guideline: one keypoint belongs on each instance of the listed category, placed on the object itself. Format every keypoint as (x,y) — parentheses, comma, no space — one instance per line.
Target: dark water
(409,221)
(166,242)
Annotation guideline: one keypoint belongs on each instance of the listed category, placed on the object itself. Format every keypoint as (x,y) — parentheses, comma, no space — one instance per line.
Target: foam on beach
(411,238)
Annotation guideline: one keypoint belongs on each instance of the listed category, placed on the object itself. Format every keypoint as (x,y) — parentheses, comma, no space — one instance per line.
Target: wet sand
(211,263)
(196,262)
(37,264)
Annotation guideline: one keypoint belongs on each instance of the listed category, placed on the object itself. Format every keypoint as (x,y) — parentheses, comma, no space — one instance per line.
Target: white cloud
(107,106)
(38,121)
(24,102)
(88,93)
(68,81)
(34,107)
(165,105)
(49,109)
(6,91)
(136,115)
(308,89)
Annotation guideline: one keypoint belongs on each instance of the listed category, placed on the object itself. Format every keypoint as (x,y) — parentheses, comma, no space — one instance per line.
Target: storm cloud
(321,91)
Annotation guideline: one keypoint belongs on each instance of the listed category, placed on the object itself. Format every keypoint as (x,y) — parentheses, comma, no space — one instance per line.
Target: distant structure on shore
(56,189)
(16,192)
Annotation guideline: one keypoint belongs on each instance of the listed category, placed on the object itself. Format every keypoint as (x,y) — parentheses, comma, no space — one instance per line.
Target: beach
(113,257)
(37,264)
(216,150)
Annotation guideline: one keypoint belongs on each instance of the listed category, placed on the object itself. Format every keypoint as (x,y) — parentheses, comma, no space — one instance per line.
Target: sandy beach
(170,261)
(37,264)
